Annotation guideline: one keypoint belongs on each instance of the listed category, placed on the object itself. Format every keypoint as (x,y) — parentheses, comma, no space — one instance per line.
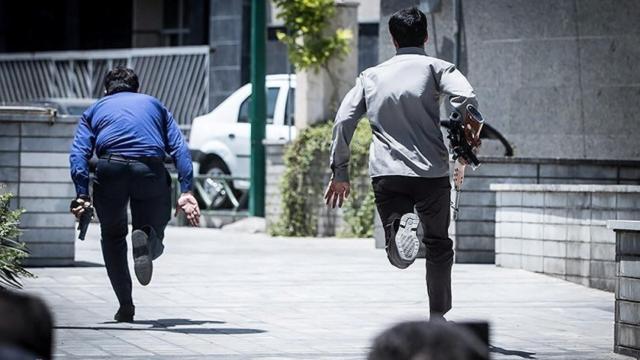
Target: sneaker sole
(142,265)
(407,241)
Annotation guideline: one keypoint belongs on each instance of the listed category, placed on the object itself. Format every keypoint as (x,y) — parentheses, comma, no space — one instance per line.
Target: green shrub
(309,43)
(359,209)
(12,252)
(304,180)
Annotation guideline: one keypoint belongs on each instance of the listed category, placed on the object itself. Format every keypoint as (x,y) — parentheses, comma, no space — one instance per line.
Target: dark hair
(408,27)
(428,341)
(26,326)
(121,79)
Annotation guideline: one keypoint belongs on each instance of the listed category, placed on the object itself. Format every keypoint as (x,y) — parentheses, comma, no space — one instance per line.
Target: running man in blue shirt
(130,133)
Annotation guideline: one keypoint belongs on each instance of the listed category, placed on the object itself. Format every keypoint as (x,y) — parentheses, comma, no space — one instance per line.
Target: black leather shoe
(125,314)
(142,263)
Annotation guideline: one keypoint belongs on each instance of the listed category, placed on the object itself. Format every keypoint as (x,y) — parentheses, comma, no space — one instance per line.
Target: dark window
(27,26)
(290,112)
(185,22)
(272,96)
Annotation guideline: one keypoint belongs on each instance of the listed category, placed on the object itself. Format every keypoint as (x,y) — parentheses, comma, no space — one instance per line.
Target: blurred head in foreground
(26,327)
(421,340)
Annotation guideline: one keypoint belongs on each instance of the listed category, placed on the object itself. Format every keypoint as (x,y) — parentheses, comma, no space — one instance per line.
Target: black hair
(26,326)
(408,27)
(120,79)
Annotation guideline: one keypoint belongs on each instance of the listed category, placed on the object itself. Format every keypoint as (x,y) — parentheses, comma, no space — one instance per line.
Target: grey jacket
(401,98)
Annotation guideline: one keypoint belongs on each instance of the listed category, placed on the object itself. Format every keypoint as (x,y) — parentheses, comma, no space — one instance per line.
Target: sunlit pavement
(217,295)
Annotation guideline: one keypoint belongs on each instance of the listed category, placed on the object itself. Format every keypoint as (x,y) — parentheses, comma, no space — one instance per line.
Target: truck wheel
(214,189)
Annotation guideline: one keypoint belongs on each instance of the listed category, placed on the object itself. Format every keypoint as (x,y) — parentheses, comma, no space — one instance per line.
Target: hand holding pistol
(83,211)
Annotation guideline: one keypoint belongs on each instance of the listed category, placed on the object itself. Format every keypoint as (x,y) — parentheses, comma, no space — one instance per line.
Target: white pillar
(318,93)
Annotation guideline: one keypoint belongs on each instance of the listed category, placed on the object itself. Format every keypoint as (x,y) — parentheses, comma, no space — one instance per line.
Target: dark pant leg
(110,196)
(433,205)
(391,206)
(150,194)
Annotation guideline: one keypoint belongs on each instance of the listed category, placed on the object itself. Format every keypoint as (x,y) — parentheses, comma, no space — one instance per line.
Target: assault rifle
(464,137)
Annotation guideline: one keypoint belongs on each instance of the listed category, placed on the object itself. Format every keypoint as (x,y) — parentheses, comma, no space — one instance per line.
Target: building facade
(223,25)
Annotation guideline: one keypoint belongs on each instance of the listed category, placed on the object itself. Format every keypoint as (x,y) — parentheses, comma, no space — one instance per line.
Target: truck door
(240,135)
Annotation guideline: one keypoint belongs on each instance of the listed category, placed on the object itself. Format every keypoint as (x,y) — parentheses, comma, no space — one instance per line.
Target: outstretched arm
(351,110)
(177,148)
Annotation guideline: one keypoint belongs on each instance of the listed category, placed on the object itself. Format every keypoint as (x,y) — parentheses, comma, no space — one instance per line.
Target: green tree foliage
(302,186)
(310,44)
(12,252)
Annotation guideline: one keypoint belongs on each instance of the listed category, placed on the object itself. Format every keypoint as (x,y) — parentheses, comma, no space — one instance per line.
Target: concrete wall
(560,230)
(475,227)
(474,231)
(229,22)
(274,170)
(34,166)
(627,320)
(559,78)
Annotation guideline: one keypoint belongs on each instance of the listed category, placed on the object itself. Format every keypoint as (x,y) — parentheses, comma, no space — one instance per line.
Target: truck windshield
(272,96)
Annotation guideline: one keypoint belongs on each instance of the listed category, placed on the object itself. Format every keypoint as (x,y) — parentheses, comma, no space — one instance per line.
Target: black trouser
(398,195)
(146,185)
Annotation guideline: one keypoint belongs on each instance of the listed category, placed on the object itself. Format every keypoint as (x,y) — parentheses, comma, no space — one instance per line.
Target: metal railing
(216,194)
(178,76)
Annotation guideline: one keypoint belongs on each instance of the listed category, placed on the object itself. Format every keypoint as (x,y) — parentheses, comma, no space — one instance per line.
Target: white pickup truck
(220,141)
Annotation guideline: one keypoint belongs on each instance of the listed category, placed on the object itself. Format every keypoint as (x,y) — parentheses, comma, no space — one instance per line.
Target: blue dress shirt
(131,125)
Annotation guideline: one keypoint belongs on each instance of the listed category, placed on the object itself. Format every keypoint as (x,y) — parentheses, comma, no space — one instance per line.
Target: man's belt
(130,159)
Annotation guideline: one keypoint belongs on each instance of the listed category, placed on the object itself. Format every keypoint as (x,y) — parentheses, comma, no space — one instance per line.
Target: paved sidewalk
(218,295)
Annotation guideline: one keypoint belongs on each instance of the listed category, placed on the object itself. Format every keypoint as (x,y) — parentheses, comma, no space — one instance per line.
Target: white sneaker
(407,241)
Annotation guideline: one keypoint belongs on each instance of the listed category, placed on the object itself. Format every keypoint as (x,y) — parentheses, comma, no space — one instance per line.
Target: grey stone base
(627,301)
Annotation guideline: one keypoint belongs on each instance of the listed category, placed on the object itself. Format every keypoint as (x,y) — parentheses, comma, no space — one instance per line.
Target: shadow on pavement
(82,264)
(86,264)
(168,325)
(522,354)
(203,331)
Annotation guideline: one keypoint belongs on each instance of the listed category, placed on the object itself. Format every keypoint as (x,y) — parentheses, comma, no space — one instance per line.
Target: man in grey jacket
(408,162)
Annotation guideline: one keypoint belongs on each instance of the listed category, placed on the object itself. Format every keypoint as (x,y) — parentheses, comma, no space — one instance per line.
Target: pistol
(83,222)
